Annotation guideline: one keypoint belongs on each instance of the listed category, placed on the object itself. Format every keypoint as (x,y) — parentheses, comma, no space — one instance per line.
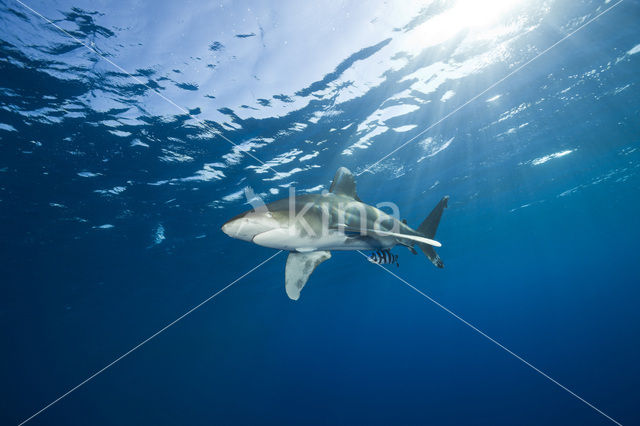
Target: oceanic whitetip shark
(310,226)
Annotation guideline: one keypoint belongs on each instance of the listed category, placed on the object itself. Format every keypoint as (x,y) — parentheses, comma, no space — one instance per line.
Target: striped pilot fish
(383,257)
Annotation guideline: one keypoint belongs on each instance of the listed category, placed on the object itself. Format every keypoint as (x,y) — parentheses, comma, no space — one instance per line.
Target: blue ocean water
(112,198)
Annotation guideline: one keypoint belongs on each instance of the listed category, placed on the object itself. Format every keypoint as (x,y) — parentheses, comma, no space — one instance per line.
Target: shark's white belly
(283,239)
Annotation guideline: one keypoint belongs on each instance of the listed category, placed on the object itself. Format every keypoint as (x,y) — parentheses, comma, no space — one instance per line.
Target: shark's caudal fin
(299,268)
(428,229)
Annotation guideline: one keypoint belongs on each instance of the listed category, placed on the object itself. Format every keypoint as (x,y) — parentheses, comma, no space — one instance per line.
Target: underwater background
(112,198)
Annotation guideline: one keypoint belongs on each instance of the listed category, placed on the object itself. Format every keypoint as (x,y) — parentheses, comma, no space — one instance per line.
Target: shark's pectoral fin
(299,268)
(407,239)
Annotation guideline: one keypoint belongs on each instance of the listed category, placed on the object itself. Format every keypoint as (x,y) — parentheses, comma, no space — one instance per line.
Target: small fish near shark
(383,257)
(310,226)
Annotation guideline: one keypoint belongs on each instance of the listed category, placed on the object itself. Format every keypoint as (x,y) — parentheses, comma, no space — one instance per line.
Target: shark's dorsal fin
(344,184)
(299,268)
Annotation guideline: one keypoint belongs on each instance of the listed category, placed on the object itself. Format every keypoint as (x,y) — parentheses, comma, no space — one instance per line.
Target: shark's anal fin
(299,268)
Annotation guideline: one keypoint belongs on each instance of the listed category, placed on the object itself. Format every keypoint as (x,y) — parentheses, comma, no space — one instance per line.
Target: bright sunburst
(471,15)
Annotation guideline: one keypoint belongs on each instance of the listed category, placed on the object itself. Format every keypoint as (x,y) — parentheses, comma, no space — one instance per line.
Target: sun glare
(474,15)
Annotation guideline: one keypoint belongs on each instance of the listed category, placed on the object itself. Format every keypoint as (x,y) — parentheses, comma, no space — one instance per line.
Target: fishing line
(111,364)
(510,352)
(218,133)
(139,81)
(490,87)
(500,345)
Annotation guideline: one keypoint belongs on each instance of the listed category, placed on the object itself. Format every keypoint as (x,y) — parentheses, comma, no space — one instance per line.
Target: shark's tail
(428,229)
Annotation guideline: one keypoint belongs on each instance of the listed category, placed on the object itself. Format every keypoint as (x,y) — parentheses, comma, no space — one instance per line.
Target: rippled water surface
(130,130)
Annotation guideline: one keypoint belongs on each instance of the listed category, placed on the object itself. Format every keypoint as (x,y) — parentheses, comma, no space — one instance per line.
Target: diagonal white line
(490,87)
(215,131)
(139,81)
(494,341)
(111,364)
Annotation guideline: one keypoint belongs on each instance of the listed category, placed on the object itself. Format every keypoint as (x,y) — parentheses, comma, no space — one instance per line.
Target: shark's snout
(227,229)
(232,226)
(248,225)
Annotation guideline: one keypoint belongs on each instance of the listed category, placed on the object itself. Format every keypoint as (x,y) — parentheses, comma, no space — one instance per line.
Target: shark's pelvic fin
(299,268)
(344,184)
(409,246)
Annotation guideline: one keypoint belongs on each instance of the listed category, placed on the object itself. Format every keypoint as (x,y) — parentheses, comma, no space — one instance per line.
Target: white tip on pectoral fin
(416,238)
(299,268)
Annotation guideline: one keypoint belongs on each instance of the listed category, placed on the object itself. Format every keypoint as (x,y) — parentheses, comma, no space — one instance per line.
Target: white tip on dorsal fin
(299,268)
(344,184)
